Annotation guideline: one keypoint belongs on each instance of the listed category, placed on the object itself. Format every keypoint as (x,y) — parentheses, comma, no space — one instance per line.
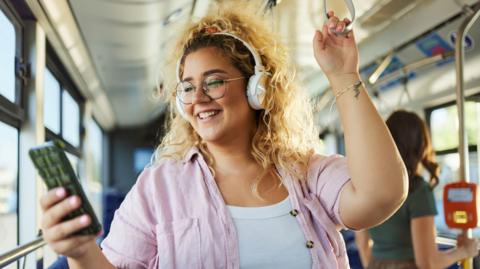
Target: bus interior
(90,73)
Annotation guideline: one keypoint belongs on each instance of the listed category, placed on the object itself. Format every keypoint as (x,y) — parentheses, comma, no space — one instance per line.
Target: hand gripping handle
(351,9)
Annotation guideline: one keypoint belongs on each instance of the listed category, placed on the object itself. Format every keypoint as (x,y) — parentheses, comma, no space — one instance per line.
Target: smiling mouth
(207,114)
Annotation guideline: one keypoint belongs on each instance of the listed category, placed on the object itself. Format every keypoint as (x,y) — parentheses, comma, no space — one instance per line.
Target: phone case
(55,169)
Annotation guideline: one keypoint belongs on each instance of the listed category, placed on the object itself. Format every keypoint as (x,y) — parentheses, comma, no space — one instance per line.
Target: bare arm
(379,182)
(93,258)
(425,249)
(364,245)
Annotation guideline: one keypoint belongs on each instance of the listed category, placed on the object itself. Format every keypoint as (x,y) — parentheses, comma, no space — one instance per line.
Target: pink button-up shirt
(175,217)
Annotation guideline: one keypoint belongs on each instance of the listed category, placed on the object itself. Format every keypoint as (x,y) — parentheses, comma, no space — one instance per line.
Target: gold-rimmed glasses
(213,86)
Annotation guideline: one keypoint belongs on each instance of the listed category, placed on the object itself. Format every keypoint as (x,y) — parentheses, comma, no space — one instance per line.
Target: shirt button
(294,212)
(309,244)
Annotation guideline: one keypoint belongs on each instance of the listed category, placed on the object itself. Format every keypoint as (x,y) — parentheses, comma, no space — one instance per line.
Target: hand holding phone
(56,171)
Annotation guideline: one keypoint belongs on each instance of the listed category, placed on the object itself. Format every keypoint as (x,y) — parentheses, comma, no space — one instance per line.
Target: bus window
(141,158)
(444,137)
(7,58)
(70,119)
(445,144)
(74,162)
(94,165)
(52,102)
(330,144)
(8,187)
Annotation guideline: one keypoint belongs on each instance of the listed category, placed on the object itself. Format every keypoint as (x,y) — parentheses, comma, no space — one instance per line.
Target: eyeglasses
(212,86)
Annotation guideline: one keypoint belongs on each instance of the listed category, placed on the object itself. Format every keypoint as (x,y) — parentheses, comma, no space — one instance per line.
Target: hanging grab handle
(351,9)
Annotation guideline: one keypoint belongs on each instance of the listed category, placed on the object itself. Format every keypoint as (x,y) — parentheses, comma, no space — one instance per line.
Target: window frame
(428,114)
(471,148)
(13,113)
(17,176)
(60,73)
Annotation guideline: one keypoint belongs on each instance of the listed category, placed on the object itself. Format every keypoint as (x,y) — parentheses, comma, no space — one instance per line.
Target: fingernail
(84,219)
(60,192)
(73,200)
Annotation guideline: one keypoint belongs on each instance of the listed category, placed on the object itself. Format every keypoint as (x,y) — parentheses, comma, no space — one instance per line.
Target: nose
(199,95)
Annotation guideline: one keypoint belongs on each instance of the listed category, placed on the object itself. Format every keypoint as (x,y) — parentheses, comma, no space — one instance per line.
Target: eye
(187,87)
(214,83)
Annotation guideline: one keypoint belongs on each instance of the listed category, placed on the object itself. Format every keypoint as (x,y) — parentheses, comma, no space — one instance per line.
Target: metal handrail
(452,242)
(21,251)
(459,62)
(463,142)
(414,65)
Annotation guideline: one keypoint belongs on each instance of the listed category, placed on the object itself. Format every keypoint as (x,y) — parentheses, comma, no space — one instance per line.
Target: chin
(210,135)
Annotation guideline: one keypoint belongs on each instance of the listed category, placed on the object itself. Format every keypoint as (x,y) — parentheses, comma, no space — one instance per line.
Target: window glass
(450,164)
(52,103)
(330,144)
(141,158)
(95,148)
(70,119)
(74,162)
(444,126)
(8,187)
(94,159)
(7,58)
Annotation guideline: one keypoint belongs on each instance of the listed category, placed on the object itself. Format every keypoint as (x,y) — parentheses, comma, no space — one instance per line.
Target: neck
(232,158)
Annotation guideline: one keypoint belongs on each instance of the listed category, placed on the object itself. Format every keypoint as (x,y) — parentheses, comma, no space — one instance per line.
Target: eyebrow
(206,73)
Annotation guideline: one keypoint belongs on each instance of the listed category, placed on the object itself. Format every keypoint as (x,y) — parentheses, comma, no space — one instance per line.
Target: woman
(236,182)
(407,239)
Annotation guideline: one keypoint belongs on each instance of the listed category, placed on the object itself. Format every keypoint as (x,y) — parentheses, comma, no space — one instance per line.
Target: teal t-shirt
(393,238)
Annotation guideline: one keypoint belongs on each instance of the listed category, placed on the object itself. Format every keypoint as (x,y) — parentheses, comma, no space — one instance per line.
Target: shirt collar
(190,154)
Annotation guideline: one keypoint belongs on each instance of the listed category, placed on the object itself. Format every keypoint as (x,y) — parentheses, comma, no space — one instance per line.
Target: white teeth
(204,115)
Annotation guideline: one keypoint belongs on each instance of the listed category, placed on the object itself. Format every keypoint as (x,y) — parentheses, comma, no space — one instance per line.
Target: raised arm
(379,182)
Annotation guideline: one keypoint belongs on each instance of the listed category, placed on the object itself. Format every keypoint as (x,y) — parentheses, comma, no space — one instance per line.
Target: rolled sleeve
(330,176)
(131,242)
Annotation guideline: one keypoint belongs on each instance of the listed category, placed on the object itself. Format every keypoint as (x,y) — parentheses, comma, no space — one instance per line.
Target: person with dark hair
(407,239)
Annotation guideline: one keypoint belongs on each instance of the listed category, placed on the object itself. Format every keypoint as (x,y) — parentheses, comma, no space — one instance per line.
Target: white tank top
(270,237)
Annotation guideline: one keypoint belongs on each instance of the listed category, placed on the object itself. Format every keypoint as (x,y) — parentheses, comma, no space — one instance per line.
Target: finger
(346,21)
(350,35)
(74,243)
(67,228)
(319,40)
(57,212)
(330,14)
(332,23)
(325,33)
(340,27)
(52,197)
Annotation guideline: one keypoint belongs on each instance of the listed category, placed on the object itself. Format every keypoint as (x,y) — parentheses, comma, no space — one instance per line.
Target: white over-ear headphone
(256,83)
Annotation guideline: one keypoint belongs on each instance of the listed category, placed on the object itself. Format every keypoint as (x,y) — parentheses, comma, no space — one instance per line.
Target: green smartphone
(56,171)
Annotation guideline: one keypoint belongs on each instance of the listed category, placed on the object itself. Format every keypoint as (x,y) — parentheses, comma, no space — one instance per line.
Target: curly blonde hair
(285,136)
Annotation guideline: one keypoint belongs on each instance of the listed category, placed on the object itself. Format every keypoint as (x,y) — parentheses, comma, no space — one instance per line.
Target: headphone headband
(258,61)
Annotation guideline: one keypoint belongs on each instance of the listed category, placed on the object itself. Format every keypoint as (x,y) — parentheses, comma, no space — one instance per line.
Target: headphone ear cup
(180,108)
(256,90)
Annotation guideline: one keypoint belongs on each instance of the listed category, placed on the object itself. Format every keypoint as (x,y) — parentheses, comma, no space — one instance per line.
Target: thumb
(319,40)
